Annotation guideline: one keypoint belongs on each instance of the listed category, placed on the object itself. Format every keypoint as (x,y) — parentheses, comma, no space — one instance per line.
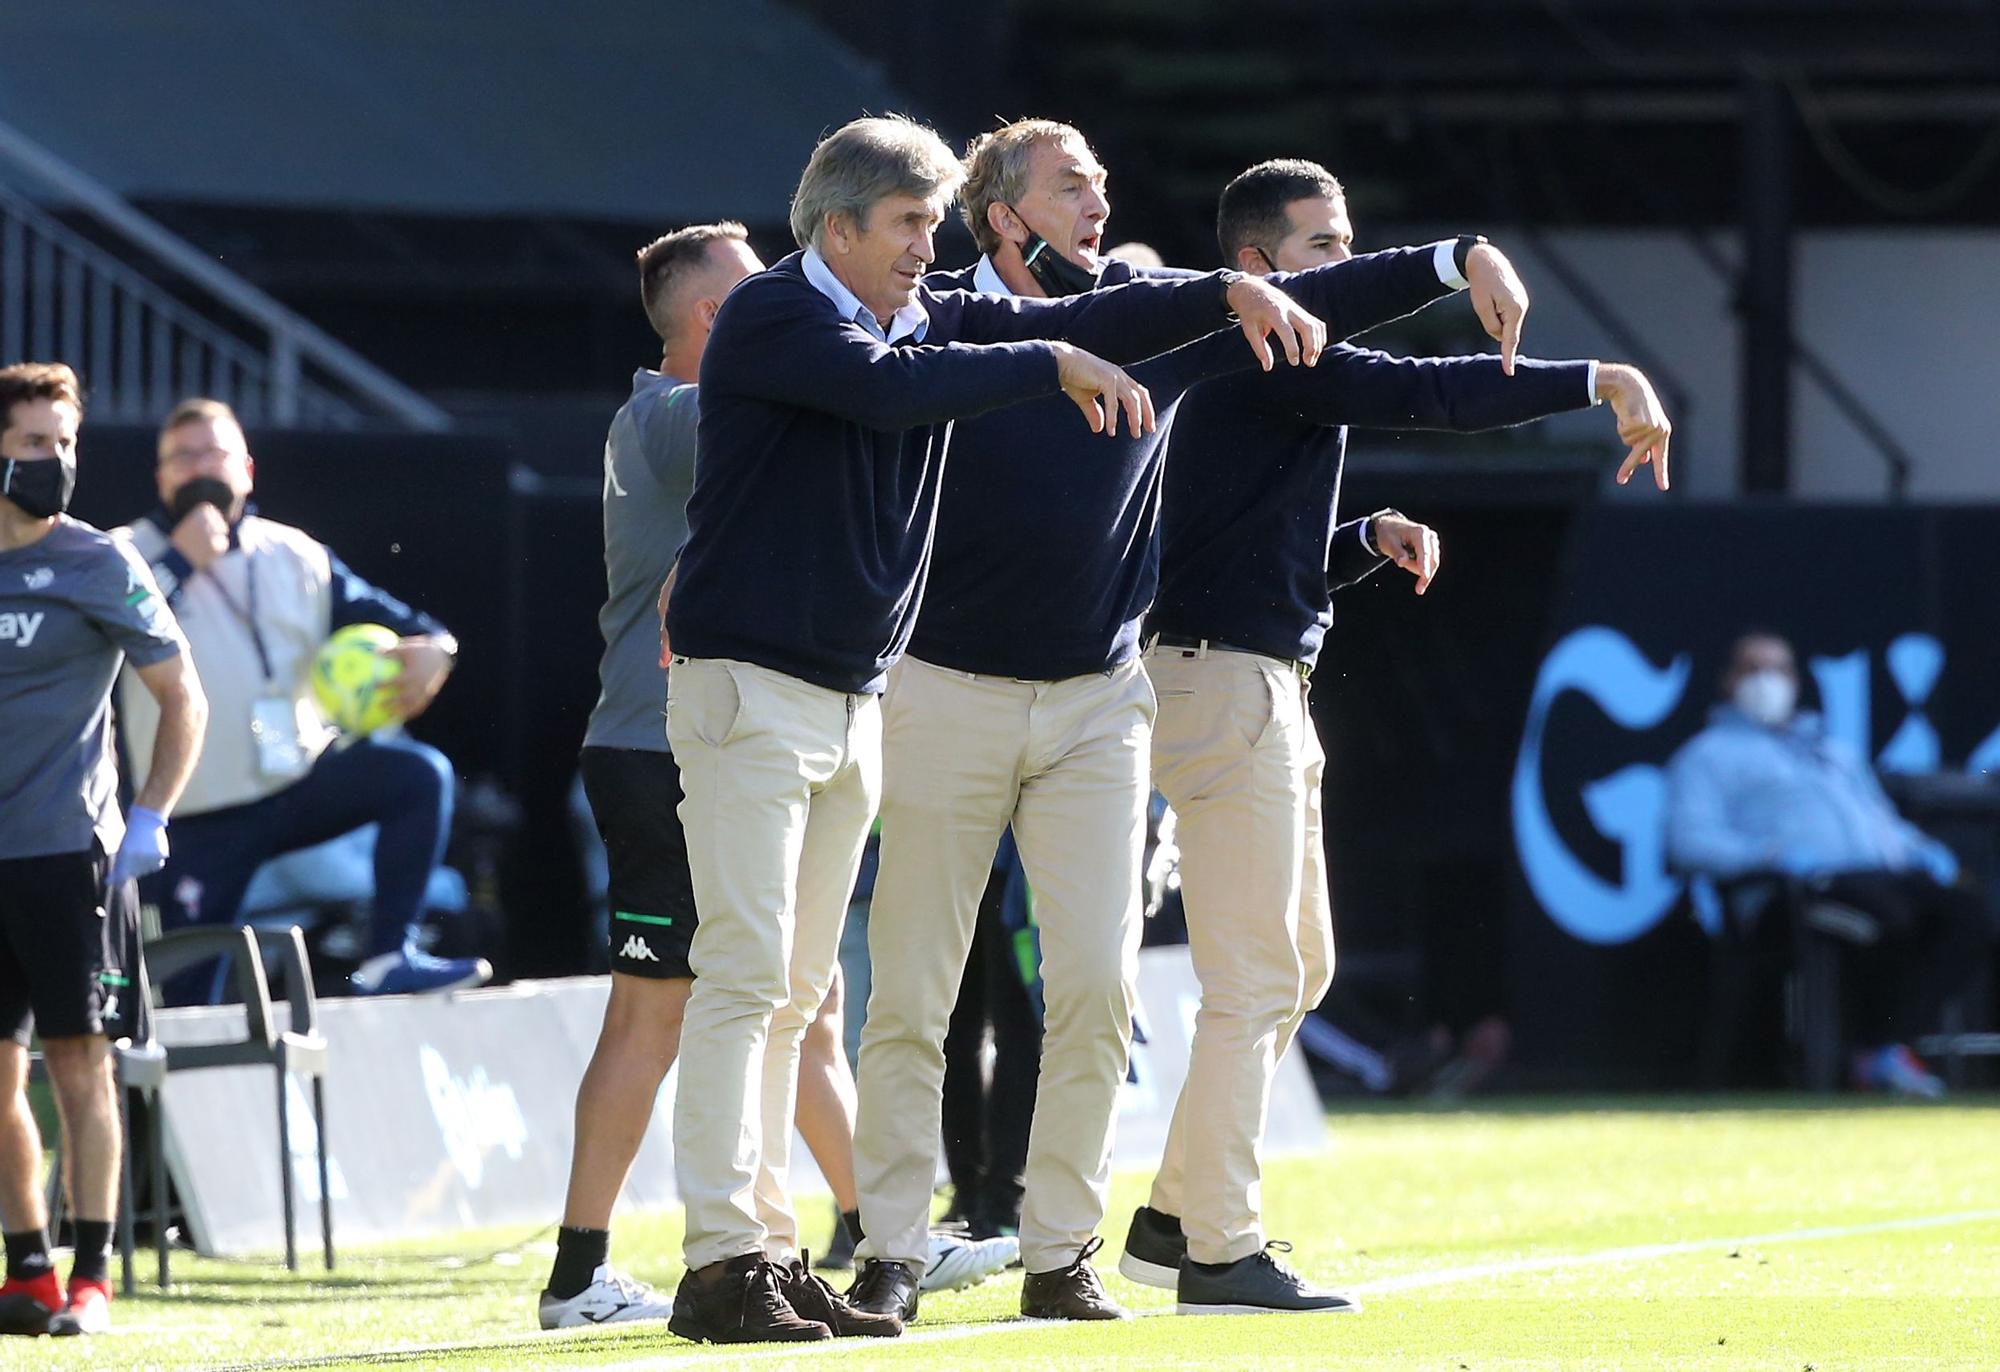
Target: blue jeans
(404,786)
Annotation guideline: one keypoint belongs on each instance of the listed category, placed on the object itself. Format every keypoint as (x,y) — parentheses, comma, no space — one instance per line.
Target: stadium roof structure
(620,110)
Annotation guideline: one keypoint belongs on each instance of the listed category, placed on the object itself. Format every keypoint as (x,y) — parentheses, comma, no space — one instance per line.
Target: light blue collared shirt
(911,321)
(1746,797)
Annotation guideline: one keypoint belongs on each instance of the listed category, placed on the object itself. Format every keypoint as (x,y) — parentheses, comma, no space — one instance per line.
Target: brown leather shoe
(814,1299)
(741,1300)
(1070,1293)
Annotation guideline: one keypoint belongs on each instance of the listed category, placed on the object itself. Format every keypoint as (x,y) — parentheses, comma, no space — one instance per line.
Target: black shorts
(65,947)
(634,795)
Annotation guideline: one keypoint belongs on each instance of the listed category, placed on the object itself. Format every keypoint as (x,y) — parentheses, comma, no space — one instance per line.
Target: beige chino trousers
(780,780)
(1236,754)
(1065,762)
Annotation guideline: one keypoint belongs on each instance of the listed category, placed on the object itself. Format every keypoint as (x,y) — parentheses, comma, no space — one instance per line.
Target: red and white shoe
(1896,1070)
(88,1311)
(28,1304)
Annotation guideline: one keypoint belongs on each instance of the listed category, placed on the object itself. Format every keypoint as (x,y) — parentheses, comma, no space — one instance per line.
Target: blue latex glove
(1939,861)
(1799,860)
(144,850)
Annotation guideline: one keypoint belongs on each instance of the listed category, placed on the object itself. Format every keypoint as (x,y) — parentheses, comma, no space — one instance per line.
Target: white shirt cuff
(1444,258)
(1595,398)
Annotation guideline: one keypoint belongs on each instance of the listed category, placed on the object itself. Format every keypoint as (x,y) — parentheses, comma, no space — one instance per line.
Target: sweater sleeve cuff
(1591,394)
(1444,258)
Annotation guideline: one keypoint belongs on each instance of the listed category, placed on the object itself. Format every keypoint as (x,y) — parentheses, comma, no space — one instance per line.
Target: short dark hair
(198,409)
(1251,213)
(37,381)
(667,262)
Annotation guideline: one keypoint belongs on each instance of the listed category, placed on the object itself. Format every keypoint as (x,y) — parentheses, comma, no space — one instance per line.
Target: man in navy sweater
(1022,701)
(1251,551)
(827,392)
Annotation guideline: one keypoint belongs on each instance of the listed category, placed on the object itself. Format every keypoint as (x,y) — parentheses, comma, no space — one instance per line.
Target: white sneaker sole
(68,1324)
(561,1318)
(1149,1273)
(1184,1308)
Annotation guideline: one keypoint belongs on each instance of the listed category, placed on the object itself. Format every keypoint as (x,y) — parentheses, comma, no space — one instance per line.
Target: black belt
(1201,647)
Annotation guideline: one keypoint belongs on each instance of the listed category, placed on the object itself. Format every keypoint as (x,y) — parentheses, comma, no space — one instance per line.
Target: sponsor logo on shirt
(635,947)
(41,578)
(20,627)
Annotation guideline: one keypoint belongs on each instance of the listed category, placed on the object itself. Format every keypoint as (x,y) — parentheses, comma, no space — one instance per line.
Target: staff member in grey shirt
(74,605)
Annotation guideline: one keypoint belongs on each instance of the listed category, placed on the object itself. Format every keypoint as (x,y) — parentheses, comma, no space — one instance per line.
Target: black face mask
(41,488)
(202,490)
(1052,271)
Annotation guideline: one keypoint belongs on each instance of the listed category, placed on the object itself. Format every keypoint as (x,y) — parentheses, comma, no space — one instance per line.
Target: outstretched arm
(1360,293)
(1374,390)
(1148,316)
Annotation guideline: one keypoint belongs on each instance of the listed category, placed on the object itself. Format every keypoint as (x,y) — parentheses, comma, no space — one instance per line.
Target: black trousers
(1934,939)
(986,1122)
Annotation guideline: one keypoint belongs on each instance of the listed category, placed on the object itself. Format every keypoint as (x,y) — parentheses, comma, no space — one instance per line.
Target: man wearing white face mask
(1763,790)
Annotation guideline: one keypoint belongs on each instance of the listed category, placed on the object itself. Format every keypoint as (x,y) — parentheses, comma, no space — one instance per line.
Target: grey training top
(648,473)
(73,606)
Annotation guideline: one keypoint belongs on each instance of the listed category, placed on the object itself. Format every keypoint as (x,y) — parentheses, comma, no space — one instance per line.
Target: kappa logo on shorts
(636,947)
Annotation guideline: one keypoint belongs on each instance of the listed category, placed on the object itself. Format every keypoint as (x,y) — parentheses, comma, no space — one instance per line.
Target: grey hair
(996,170)
(865,161)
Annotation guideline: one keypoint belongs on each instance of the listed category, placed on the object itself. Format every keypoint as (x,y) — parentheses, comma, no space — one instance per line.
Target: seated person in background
(257,599)
(1764,791)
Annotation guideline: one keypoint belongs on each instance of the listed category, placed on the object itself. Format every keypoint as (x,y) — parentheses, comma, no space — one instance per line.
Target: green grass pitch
(1768,1234)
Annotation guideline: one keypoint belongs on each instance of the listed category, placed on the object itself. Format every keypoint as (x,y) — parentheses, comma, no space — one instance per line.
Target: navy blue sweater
(1047,552)
(1249,549)
(819,449)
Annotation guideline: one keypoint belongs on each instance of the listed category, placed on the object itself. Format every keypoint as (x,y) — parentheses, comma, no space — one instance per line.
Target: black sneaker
(885,1288)
(1070,1293)
(1154,1248)
(815,1300)
(741,1301)
(1256,1285)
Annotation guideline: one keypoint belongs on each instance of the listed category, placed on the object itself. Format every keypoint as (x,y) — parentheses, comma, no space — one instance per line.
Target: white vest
(294,609)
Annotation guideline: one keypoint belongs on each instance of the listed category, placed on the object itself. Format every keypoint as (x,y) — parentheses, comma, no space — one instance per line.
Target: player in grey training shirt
(648,475)
(74,604)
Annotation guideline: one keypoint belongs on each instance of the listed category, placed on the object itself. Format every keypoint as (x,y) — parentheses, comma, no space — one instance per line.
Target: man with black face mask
(74,603)
(257,599)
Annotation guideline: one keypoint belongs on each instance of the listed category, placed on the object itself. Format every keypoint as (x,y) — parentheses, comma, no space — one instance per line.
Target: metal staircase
(101,304)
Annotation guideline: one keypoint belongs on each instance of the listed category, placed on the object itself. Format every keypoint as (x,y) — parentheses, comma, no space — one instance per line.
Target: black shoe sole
(688,1330)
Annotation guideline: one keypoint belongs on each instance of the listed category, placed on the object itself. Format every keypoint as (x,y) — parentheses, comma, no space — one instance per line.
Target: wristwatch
(1368,528)
(1230,276)
(1461,253)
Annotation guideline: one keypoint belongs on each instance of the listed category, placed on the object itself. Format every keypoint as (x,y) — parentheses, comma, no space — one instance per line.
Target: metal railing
(139,347)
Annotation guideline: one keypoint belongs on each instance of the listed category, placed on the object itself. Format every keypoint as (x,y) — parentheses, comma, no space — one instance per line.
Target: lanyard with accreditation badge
(274,726)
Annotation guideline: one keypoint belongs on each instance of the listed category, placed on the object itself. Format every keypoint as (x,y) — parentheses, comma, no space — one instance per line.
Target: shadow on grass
(275,1297)
(547,1349)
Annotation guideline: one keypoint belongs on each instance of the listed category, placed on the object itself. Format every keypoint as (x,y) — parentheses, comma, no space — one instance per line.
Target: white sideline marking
(1644,1252)
(1409,1282)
